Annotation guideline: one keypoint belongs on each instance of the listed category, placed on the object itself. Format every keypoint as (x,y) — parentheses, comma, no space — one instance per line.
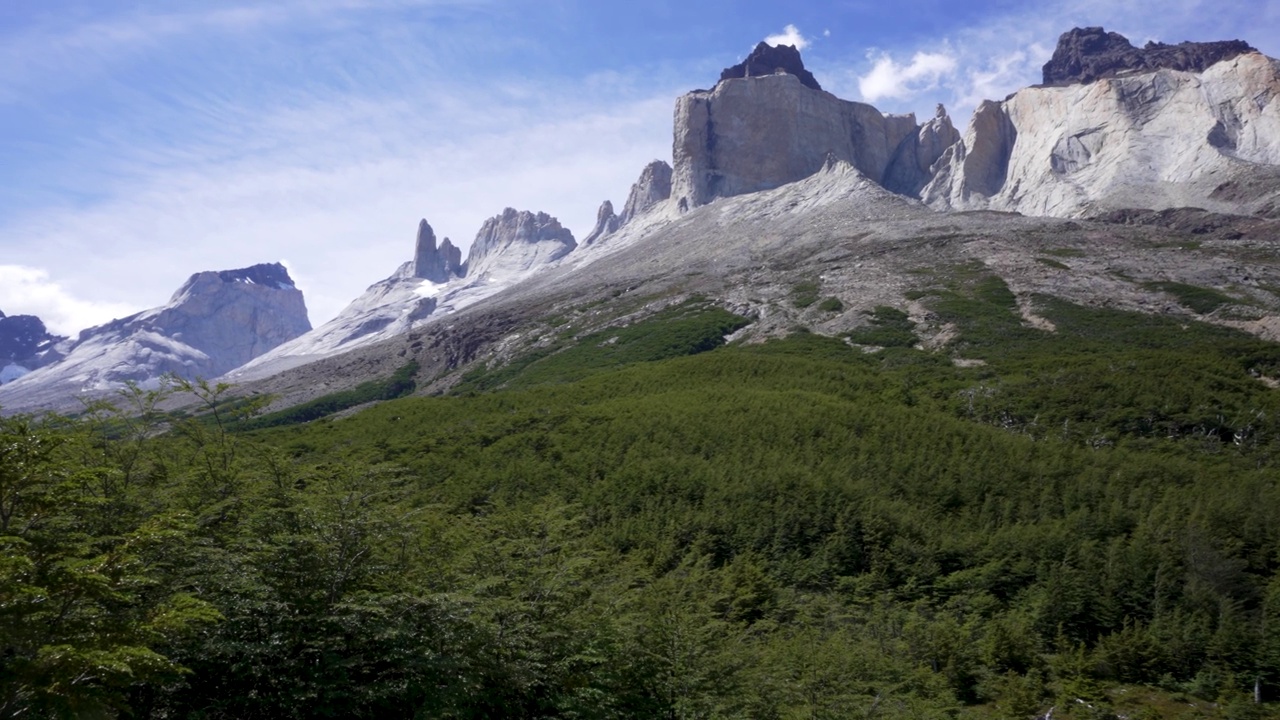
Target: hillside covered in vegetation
(650,523)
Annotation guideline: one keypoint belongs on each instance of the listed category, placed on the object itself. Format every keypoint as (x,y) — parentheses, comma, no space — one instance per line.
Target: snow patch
(12,372)
(429,289)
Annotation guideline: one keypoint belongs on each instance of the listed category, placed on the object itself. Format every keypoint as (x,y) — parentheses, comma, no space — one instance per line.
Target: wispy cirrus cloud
(328,170)
(335,184)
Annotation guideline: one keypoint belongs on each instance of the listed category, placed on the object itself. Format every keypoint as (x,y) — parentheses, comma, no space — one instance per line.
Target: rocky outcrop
(25,345)
(509,248)
(516,241)
(768,59)
(607,222)
(1087,54)
(1151,139)
(653,187)
(437,264)
(231,316)
(757,133)
(913,165)
(215,322)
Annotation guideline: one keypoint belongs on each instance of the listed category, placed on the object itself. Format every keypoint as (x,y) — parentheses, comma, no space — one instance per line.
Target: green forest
(646,522)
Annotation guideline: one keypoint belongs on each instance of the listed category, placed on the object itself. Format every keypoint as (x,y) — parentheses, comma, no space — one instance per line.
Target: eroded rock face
(913,165)
(231,316)
(435,264)
(607,222)
(516,241)
(1087,54)
(653,187)
(758,133)
(767,59)
(1156,139)
(215,322)
(25,345)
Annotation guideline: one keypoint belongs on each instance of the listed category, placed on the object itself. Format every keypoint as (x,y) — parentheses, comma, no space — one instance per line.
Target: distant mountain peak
(216,321)
(269,274)
(1087,54)
(518,240)
(769,59)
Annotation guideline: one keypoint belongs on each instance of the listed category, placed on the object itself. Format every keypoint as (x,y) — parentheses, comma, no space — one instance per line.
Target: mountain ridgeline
(1113,128)
(842,415)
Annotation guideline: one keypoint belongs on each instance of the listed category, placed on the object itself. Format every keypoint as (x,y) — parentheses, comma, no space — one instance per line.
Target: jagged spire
(436,264)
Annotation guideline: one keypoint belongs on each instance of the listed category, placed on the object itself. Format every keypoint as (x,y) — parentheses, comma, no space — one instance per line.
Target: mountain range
(1133,178)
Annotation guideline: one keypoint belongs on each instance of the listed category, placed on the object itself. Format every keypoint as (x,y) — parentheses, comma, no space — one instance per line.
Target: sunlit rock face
(437,264)
(516,241)
(1170,126)
(756,132)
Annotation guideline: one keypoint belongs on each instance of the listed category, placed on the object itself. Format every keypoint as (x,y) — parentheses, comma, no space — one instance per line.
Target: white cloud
(997,78)
(891,79)
(337,184)
(1002,52)
(790,35)
(333,176)
(30,291)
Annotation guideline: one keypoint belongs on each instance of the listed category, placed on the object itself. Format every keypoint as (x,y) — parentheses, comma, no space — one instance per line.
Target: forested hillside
(643,524)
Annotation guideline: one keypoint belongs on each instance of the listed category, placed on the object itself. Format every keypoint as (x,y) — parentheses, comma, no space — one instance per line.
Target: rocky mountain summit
(508,248)
(1196,124)
(515,242)
(1087,54)
(650,191)
(768,59)
(25,344)
(215,322)
(760,132)
(776,184)
(437,264)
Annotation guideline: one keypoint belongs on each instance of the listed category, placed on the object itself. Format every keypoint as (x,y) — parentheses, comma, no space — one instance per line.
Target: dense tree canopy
(795,529)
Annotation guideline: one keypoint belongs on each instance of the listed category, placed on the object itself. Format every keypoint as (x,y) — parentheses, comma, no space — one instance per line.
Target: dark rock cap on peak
(271,274)
(1087,54)
(768,59)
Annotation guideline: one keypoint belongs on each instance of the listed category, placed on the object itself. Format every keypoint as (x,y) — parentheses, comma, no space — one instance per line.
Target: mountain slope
(509,248)
(216,321)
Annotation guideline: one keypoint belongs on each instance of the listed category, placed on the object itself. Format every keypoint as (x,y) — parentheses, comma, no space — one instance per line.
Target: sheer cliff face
(230,316)
(768,123)
(437,264)
(758,133)
(1148,138)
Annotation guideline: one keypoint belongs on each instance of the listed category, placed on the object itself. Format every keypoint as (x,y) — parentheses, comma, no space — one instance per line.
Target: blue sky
(142,141)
